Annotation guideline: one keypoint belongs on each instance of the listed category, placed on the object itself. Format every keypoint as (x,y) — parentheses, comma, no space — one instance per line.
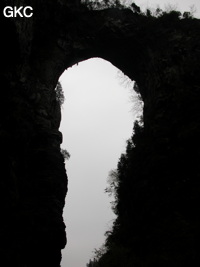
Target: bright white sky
(97,119)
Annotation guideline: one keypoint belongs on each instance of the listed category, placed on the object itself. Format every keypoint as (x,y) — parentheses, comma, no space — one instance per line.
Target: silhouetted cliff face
(33,176)
(158,179)
(162,55)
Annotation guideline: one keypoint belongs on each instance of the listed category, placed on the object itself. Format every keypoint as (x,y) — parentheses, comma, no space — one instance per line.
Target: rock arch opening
(97,119)
(162,54)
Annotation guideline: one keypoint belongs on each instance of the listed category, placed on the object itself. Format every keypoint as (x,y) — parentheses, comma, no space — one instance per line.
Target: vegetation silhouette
(59,94)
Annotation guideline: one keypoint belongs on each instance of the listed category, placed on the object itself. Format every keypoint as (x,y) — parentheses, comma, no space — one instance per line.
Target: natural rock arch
(162,55)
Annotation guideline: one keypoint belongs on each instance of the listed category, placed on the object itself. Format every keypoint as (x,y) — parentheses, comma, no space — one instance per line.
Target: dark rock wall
(158,194)
(162,57)
(33,175)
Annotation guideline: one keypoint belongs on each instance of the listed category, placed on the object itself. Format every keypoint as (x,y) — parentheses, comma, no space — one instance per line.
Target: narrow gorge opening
(97,118)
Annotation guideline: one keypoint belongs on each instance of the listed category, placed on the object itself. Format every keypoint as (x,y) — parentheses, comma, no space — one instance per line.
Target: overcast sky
(97,119)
